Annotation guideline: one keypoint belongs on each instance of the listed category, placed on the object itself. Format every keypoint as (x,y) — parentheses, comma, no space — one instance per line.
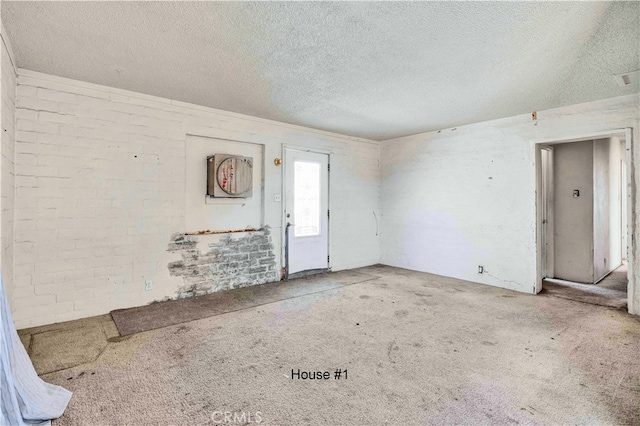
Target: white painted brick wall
(459,198)
(99,185)
(7,172)
(100,190)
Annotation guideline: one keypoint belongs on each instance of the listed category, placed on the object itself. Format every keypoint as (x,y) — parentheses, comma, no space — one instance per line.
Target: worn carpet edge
(167,313)
(611,300)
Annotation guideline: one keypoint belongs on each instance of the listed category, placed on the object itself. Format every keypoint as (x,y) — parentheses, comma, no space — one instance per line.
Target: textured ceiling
(375,70)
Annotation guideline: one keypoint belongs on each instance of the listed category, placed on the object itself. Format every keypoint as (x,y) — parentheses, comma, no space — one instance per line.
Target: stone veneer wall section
(232,262)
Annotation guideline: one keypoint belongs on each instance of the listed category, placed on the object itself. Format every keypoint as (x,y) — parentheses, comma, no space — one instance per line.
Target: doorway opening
(306,212)
(583,212)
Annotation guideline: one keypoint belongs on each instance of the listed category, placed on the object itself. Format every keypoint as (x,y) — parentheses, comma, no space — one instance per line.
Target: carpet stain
(401,313)
(390,348)
(182,329)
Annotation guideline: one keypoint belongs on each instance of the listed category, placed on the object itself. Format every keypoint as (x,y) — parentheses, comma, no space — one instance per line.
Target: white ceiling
(376,70)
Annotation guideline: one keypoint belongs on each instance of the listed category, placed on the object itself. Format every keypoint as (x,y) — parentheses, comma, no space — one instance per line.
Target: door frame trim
(546,233)
(627,133)
(283,220)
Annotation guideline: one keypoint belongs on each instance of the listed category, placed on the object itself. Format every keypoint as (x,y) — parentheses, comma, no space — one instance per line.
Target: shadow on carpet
(163,314)
(585,293)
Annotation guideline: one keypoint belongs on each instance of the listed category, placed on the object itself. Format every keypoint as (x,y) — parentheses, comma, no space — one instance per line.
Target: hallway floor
(610,291)
(616,280)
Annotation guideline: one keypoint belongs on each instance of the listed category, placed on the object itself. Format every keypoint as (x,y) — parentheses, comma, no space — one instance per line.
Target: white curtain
(25,398)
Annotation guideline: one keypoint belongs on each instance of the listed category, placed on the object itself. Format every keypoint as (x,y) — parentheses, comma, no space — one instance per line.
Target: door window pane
(306,199)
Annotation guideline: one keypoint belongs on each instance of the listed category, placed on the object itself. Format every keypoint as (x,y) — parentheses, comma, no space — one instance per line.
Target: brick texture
(100,191)
(7,168)
(233,262)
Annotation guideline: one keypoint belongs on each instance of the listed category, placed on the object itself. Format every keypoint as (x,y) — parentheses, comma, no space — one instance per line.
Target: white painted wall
(216,214)
(601,206)
(626,191)
(7,150)
(100,189)
(607,206)
(573,169)
(458,198)
(616,157)
(587,237)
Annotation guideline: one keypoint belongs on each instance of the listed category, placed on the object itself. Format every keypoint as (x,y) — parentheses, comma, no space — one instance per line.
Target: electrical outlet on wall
(480,269)
(148,285)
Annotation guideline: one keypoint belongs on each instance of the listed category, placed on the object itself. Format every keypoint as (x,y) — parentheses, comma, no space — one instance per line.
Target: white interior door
(623,206)
(306,210)
(547,213)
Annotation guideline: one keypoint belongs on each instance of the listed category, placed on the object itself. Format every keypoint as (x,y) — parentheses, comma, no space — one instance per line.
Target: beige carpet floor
(418,349)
